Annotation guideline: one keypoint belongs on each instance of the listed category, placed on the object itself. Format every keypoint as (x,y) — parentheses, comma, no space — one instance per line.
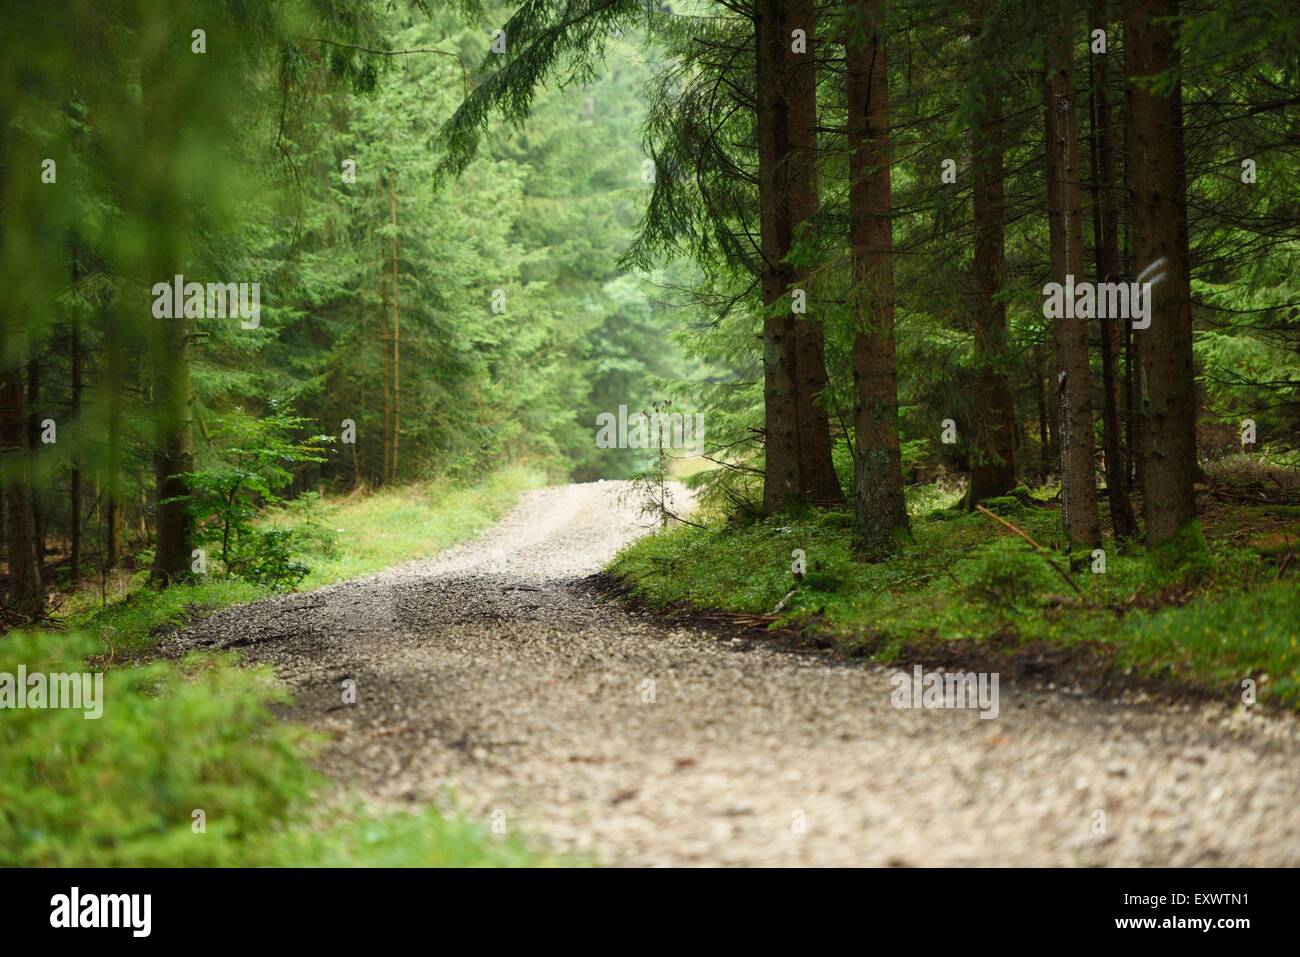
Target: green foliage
(538,216)
(1005,573)
(338,539)
(924,593)
(174,738)
(200,733)
(702,218)
(265,557)
(120,790)
(253,458)
(1223,639)
(245,176)
(1182,555)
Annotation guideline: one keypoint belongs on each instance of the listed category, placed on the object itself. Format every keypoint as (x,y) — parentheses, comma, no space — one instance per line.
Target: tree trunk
(1131,437)
(172,394)
(75,502)
(397,338)
(880,512)
(1159,210)
(993,469)
(174,454)
(820,483)
(112,485)
(1105,231)
(35,447)
(1078,481)
(25,598)
(1044,436)
(384,346)
(797,430)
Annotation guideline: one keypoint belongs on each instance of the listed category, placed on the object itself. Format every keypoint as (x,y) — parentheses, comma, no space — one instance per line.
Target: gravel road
(491,671)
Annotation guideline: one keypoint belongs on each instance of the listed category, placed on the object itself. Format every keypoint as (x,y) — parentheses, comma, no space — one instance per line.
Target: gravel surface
(489,679)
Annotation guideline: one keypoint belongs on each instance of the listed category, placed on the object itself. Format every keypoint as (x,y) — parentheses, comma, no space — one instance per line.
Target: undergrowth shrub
(266,557)
(197,735)
(1004,573)
(121,790)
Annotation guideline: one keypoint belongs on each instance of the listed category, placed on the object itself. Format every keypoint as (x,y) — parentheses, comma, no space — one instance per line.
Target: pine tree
(879,509)
(1072,373)
(1158,203)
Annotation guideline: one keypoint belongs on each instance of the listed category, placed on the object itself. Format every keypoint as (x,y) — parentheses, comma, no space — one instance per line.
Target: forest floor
(586,725)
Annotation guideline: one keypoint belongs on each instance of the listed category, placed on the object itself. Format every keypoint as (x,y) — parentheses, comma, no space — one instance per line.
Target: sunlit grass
(964,577)
(390,526)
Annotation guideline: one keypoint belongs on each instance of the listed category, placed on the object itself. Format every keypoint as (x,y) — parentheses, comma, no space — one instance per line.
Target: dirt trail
(489,668)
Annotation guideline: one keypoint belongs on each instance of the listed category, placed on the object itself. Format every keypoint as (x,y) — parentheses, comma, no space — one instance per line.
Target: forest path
(490,668)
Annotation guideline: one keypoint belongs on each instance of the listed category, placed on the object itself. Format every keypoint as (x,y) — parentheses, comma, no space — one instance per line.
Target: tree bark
(172,394)
(112,485)
(1045,456)
(75,492)
(1078,481)
(384,347)
(1131,437)
(1157,198)
(397,337)
(25,598)
(174,451)
(1105,229)
(35,446)
(798,465)
(880,511)
(993,469)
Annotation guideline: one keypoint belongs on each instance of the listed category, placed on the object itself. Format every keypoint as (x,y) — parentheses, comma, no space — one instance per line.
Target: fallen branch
(1041,550)
(780,606)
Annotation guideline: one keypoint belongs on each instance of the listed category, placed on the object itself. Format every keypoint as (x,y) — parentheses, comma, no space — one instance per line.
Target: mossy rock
(1004,505)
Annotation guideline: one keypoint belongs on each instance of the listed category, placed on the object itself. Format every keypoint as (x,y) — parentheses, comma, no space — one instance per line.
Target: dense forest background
(478,227)
(446,326)
(301,293)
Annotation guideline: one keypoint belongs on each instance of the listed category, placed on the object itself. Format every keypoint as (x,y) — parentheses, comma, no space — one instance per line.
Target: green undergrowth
(336,539)
(187,766)
(199,735)
(964,577)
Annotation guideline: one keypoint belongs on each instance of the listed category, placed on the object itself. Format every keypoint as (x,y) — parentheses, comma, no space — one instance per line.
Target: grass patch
(965,579)
(375,531)
(199,734)
(1222,638)
(338,539)
(176,740)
